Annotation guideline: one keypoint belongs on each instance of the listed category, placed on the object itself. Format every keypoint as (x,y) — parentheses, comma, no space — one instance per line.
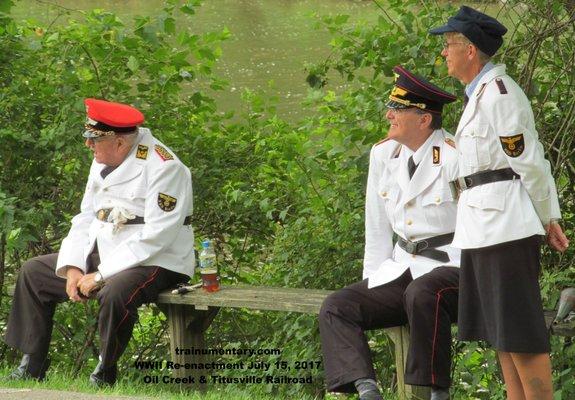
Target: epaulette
(450,142)
(501,86)
(163,153)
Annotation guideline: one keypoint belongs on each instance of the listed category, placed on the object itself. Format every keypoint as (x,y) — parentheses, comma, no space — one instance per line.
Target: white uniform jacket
(414,209)
(497,130)
(151,183)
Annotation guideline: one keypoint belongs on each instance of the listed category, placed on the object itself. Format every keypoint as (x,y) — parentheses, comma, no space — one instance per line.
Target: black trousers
(38,291)
(428,304)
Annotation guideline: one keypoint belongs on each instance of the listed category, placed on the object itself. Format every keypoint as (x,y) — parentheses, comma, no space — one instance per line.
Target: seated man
(131,239)
(414,282)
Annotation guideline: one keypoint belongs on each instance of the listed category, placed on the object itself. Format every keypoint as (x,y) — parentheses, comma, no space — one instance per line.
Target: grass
(125,387)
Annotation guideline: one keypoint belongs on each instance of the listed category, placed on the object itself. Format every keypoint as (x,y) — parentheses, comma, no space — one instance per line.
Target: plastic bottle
(209,268)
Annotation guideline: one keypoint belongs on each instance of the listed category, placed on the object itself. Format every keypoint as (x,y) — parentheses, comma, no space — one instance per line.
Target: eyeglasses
(99,138)
(397,111)
(446,45)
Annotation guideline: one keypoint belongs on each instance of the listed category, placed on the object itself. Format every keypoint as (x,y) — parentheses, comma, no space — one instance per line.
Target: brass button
(409,222)
(437,199)
(383,194)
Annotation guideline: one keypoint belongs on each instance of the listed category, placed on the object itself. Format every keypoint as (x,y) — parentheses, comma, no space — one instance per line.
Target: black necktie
(106,171)
(411,167)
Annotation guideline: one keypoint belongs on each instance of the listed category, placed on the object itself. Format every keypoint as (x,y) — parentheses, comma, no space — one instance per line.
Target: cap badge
(397,91)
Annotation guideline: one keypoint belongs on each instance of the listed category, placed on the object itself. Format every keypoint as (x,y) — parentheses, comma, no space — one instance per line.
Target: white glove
(119,216)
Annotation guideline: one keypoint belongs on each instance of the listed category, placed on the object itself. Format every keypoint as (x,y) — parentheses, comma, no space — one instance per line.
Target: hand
(73,276)
(87,284)
(555,237)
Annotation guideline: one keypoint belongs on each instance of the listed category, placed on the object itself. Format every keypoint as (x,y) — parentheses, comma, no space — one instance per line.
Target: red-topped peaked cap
(411,90)
(106,118)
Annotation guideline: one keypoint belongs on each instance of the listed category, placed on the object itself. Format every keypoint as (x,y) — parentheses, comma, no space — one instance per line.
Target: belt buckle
(455,189)
(101,215)
(410,247)
(462,182)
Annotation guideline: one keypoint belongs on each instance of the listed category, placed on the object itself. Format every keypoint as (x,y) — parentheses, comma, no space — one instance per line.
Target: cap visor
(442,29)
(395,105)
(87,134)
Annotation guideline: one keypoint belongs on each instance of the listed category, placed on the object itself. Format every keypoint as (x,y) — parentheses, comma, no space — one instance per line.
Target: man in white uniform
(508,202)
(132,238)
(414,281)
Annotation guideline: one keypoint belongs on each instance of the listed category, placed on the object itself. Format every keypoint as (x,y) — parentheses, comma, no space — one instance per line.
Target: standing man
(508,201)
(132,238)
(414,281)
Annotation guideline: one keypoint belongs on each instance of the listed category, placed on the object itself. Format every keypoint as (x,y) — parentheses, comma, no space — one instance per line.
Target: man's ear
(426,120)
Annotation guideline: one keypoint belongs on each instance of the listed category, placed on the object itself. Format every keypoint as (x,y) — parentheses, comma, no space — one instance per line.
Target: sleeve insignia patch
(513,146)
(450,142)
(436,155)
(501,86)
(166,202)
(163,153)
(142,152)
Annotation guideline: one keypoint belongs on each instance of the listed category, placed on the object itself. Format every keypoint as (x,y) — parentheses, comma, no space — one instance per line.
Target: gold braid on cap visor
(98,132)
(408,103)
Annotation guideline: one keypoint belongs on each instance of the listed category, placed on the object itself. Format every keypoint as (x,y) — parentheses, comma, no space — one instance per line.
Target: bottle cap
(206,244)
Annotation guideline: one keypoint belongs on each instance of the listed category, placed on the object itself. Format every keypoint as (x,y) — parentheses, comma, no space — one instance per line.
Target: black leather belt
(481,178)
(427,247)
(103,214)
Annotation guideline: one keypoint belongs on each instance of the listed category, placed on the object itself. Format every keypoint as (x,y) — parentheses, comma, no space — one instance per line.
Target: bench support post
(400,337)
(187,328)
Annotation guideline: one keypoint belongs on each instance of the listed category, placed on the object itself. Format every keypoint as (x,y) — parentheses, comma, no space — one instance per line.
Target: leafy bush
(283,199)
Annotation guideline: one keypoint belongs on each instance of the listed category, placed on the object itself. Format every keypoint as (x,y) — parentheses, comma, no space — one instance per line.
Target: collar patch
(142,152)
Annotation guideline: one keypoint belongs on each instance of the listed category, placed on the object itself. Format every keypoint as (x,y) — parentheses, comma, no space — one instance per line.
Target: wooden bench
(190,315)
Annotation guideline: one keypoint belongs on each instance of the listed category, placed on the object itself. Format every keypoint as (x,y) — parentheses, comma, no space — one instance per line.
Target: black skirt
(500,299)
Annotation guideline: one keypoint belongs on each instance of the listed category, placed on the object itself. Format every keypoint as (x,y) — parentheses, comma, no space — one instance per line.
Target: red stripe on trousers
(143,285)
(438,295)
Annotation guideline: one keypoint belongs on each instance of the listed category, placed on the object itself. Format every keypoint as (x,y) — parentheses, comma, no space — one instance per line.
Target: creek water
(271,40)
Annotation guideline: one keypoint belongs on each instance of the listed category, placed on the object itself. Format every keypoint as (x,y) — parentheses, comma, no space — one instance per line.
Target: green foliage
(283,199)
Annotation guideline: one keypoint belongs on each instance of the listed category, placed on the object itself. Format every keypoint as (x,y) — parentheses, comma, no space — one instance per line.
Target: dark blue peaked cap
(412,90)
(483,31)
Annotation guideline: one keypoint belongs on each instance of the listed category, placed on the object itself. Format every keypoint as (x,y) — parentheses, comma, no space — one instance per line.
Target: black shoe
(439,393)
(102,377)
(31,367)
(371,395)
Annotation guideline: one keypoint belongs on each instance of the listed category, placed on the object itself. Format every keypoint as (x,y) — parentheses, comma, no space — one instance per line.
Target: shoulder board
(501,86)
(381,141)
(163,153)
(450,142)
